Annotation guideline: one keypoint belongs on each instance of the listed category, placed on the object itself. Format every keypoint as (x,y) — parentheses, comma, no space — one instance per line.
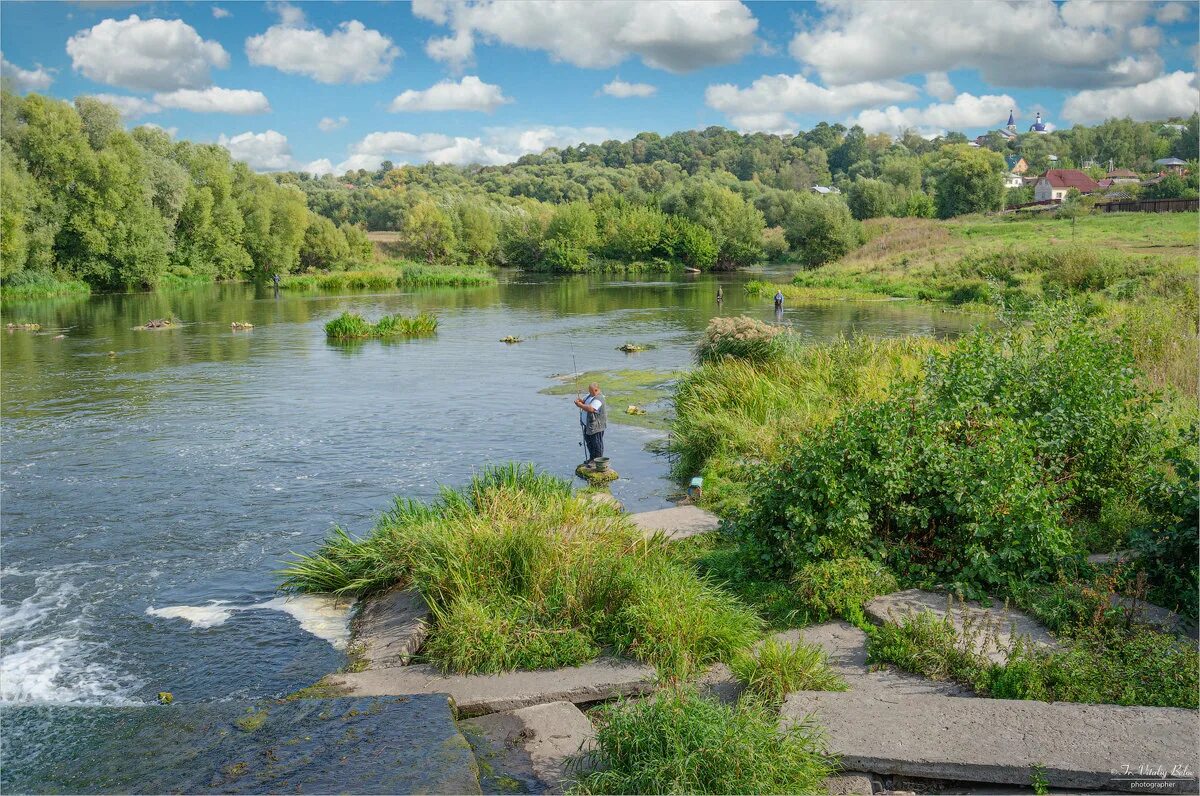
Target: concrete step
(994,627)
(533,748)
(679,522)
(1001,741)
(372,745)
(390,628)
(479,694)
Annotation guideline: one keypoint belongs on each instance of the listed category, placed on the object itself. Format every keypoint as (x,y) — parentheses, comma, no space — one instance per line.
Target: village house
(1016,164)
(1055,183)
(1012,180)
(1117,176)
(1173,165)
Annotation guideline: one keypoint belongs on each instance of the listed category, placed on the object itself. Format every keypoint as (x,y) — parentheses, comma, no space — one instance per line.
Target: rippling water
(149,495)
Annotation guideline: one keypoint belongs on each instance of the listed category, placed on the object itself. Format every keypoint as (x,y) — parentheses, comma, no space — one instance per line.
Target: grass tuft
(776,669)
(352,326)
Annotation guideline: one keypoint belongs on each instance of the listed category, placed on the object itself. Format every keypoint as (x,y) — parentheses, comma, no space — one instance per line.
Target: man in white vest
(594,419)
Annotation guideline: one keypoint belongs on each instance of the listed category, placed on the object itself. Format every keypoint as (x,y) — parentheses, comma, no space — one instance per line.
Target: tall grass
(734,412)
(352,326)
(389,275)
(776,669)
(25,285)
(519,572)
(679,742)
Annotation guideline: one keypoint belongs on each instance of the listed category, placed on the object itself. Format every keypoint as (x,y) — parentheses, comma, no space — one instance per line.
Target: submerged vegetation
(680,742)
(520,572)
(352,326)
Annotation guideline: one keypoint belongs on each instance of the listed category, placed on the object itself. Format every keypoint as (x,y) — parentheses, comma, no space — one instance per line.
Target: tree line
(87,200)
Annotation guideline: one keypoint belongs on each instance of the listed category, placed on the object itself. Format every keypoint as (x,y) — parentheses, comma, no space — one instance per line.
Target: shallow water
(148,496)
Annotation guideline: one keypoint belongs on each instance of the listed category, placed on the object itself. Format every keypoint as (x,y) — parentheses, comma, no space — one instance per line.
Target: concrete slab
(479,694)
(995,627)
(849,785)
(1162,619)
(534,747)
(676,523)
(1119,557)
(389,628)
(1000,740)
(375,745)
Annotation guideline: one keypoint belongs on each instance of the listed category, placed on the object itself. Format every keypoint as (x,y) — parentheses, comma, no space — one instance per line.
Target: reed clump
(520,572)
(352,326)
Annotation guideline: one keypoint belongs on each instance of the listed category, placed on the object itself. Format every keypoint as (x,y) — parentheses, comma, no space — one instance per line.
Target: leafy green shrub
(678,742)
(776,669)
(519,572)
(741,338)
(974,476)
(348,326)
(841,587)
(1167,546)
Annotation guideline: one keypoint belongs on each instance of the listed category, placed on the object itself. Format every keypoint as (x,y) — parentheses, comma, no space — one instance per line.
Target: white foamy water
(325,617)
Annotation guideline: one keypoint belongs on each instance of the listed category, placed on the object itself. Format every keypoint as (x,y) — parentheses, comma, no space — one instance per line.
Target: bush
(981,473)
(678,742)
(740,338)
(1167,546)
(519,572)
(841,587)
(776,669)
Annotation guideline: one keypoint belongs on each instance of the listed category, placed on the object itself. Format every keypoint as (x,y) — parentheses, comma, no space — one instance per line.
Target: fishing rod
(578,395)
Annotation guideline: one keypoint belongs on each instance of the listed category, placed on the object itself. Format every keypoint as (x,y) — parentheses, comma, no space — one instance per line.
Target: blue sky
(463,81)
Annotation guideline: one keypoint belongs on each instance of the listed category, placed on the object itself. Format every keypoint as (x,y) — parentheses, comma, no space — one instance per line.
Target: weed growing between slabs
(521,573)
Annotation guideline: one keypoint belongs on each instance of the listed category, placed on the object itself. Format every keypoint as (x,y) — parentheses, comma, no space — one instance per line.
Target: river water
(154,481)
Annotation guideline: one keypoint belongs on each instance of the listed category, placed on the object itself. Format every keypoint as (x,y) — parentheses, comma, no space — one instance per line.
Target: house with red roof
(1055,183)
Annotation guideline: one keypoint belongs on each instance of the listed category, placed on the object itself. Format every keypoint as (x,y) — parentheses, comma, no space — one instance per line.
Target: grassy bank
(28,285)
(352,326)
(519,572)
(389,275)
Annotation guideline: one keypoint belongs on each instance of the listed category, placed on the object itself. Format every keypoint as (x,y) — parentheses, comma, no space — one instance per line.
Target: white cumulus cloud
(25,80)
(675,35)
(1078,44)
(220,13)
(966,111)
(1175,94)
(619,88)
(765,103)
(496,146)
(1170,13)
(215,100)
(468,94)
(270,151)
(130,107)
(146,55)
(353,53)
(938,86)
(328,124)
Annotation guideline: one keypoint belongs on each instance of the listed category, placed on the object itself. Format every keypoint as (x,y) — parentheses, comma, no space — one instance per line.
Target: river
(154,481)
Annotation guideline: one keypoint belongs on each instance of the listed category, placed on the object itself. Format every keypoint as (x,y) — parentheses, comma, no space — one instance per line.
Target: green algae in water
(252,721)
(647,389)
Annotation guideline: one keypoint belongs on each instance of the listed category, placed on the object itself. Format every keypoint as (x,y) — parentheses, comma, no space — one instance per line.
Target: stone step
(374,745)
(533,749)
(1001,741)
(390,628)
(994,628)
(479,694)
(679,522)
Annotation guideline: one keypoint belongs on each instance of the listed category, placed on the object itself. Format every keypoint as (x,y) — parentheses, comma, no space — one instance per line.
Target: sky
(332,86)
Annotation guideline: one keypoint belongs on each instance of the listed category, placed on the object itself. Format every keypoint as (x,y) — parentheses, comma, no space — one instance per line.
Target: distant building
(824,190)
(1173,165)
(1016,164)
(1008,132)
(1116,176)
(1013,180)
(1055,183)
(1038,125)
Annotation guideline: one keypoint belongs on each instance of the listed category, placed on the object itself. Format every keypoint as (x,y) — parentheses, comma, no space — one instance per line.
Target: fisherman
(594,419)
(275,279)
(720,295)
(779,301)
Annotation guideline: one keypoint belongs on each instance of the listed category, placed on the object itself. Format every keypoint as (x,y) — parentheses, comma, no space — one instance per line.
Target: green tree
(820,229)
(968,180)
(429,233)
(695,246)
(478,236)
(324,245)
(635,233)
(574,226)
(871,198)
(359,246)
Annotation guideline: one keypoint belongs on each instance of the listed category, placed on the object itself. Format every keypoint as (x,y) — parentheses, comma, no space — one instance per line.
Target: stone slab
(479,694)
(1162,619)
(1005,623)
(1000,740)
(1119,557)
(536,747)
(376,745)
(849,785)
(679,522)
(389,628)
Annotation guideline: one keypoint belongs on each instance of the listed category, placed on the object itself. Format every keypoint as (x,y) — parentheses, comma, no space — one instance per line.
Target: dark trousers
(595,444)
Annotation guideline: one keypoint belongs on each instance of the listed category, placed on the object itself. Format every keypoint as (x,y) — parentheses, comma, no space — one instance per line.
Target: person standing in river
(594,419)
(779,301)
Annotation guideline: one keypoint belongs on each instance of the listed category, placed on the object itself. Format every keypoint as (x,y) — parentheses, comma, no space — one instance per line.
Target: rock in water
(596,476)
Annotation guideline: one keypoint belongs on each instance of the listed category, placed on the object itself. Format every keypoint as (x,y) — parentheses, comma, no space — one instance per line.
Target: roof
(1105,183)
(1070,178)
(1122,173)
(1012,160)
(1170,162)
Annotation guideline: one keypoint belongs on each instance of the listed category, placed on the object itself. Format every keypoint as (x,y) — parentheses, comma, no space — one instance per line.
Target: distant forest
(87,201)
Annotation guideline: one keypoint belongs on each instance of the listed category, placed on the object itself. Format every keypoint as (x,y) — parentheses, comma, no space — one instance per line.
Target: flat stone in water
(679,522)
(375,745)
(478,694)
(1002,740)
(995,628)
(390,628)
(534,747)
